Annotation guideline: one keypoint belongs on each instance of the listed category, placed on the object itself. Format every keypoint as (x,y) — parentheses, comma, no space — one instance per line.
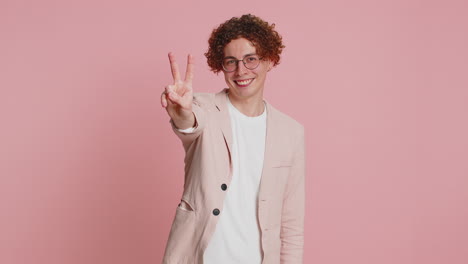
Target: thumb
(174,97)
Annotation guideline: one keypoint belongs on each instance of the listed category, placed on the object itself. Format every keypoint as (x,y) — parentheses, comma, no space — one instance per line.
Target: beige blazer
(208,172)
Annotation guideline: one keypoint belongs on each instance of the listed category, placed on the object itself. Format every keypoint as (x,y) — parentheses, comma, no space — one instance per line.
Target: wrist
(184,123)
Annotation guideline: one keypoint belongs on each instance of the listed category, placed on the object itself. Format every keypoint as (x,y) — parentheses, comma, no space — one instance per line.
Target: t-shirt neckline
(242,114)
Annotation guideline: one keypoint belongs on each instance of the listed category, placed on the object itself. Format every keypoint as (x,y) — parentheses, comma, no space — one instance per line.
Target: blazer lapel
(271,137)
(224,120)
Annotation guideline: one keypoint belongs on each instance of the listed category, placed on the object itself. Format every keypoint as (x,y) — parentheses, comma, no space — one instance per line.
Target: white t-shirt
(236,239)
(237,236)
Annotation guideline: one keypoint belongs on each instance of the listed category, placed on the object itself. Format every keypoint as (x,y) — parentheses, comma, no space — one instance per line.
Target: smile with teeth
(243,82)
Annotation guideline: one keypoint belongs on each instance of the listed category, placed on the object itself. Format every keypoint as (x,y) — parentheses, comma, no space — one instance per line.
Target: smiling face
(244,83)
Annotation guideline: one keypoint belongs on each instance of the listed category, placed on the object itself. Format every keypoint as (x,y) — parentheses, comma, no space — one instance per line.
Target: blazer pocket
(185,206)
(182,235)
(283,163)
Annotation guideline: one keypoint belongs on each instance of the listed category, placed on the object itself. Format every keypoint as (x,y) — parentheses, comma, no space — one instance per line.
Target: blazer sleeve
(188,138)
(292,220)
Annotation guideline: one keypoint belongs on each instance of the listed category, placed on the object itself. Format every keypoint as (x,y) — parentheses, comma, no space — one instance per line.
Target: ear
(270,65)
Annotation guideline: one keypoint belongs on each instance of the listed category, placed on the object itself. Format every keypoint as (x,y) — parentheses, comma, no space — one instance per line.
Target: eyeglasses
(231,64)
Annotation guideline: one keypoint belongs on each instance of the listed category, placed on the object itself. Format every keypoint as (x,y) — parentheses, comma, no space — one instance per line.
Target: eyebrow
(242,57)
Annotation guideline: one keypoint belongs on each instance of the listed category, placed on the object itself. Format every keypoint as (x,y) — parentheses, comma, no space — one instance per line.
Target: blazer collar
(225,121)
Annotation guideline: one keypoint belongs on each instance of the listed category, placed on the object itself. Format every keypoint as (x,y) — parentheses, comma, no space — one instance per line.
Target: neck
(252,106)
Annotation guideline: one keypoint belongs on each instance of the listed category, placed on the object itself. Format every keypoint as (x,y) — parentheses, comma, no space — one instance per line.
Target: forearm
(293,214)
(198,122)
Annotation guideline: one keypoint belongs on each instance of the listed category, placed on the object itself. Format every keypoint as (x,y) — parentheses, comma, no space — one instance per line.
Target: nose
(241,69)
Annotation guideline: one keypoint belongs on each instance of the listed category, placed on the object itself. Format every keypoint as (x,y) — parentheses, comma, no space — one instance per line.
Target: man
(243,198)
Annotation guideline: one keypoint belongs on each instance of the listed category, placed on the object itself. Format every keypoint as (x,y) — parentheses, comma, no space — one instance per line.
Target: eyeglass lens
(250,62)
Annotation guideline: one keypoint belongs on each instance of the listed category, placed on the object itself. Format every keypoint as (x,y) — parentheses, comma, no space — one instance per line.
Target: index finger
(190,66)
(174,67)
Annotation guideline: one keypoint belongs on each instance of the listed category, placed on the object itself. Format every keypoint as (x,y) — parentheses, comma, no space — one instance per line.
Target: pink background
(90,171)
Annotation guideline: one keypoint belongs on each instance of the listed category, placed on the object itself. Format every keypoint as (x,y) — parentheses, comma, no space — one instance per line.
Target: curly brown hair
(263,36)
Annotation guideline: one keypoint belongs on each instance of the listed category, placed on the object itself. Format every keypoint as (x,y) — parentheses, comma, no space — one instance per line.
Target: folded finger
(163,99)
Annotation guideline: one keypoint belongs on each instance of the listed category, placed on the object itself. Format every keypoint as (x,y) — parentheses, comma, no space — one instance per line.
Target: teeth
(243,82)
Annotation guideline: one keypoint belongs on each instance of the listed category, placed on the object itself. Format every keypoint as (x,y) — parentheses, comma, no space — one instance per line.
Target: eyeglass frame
(243,62)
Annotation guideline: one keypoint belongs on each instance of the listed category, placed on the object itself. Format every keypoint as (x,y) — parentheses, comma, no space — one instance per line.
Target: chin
(244,92)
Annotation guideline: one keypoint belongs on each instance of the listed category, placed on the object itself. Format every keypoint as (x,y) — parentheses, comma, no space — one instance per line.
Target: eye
(251,59)
(229,62)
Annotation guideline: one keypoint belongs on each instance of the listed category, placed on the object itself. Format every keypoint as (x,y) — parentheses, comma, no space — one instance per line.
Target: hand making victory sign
(177,98)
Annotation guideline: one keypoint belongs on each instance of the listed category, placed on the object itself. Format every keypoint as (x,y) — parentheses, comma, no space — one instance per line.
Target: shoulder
(286,122)
(204,100)
(204,97)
